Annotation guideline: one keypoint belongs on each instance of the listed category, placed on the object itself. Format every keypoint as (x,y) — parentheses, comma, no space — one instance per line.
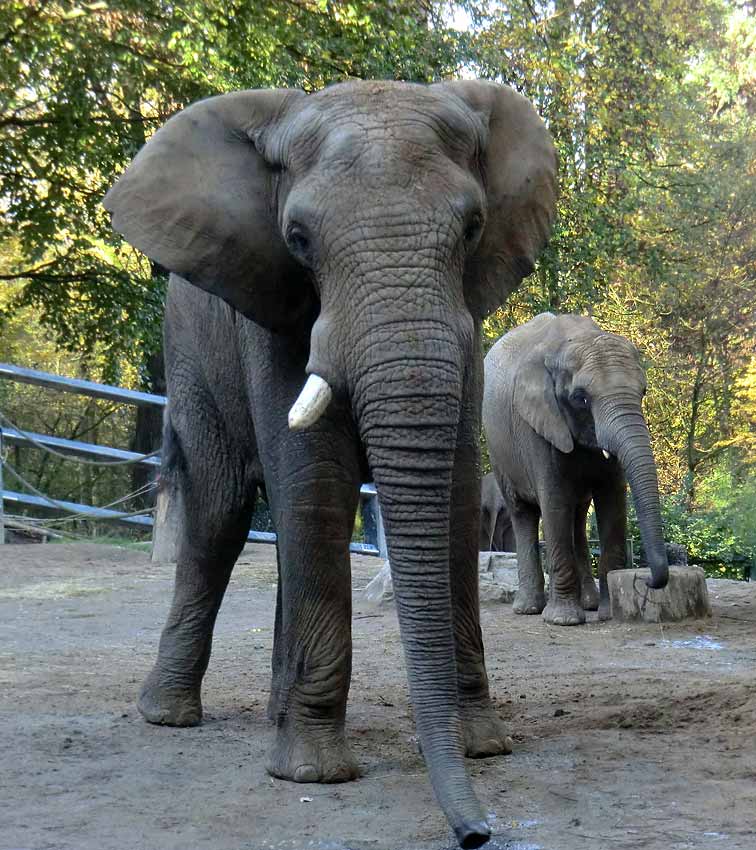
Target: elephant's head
(579,385)
(381,220)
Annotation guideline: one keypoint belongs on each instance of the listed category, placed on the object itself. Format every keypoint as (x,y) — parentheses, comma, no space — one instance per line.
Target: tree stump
(685,596)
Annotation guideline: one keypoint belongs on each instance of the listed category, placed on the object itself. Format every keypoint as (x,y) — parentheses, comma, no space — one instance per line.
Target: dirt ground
(625,736)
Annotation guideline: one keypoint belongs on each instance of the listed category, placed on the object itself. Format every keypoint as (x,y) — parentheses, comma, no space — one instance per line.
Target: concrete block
(685,595)
(491,561)
(380,588)
(497,576)
(497,573)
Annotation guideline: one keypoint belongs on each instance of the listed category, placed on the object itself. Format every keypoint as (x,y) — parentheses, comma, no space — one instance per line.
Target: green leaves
(85,84)
(652,105)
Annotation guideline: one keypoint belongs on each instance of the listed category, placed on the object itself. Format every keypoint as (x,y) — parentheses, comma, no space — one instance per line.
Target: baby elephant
(563,419)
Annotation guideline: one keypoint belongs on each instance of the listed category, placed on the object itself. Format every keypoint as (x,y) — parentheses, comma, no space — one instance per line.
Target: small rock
(560,712)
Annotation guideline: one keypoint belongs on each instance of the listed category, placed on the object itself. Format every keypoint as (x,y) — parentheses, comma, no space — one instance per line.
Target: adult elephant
(563,419)
(356,236)
(496,533)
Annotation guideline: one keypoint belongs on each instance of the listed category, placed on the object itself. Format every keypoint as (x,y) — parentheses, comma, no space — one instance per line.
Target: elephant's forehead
(348,121)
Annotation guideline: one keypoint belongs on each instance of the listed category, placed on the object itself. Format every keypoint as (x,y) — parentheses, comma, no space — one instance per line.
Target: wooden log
(684,596)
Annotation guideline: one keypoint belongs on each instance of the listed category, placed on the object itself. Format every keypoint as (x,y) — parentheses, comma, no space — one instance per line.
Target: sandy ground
(625,736)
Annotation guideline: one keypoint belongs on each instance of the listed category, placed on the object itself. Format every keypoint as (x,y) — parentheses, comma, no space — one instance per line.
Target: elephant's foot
(309,755)
(564,612)
(483,731)
(169,705)
(589,596)
(529,601)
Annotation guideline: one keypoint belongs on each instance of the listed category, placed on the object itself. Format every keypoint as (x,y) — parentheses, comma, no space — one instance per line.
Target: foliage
(653,108)
(84,85)
(26,343)
(719,532)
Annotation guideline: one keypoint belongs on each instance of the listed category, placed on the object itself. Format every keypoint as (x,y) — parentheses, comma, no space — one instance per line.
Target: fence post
(2,488)
(380,532)
(168,515)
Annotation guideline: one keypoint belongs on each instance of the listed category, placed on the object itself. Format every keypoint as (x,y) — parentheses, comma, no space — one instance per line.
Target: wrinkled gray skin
(359,234)
(558,390)
(496,533)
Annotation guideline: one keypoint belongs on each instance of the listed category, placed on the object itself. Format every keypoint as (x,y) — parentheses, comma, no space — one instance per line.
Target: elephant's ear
(535,401)
(198,200)
(527,351)
(519,173)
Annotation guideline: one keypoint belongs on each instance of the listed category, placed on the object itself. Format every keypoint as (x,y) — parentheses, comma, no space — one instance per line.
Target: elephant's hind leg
(218,495)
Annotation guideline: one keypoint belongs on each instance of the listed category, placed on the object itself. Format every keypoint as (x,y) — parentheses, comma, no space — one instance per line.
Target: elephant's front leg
(589,597)
(314,509)
(563,607)
(611,517)
(530,597)
(484,732)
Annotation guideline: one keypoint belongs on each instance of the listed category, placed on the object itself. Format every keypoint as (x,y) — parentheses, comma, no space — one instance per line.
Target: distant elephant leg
(314,500)
(503,533)
(483,731)
(530,597)
(589,597)
(486,529)
(563,608)
(611,516)
(218,494)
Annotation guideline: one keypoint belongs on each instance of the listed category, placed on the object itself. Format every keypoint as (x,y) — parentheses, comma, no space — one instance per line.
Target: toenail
(306,773)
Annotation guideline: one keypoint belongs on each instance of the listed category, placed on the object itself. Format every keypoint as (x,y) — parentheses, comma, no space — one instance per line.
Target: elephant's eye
(580,399)
(299,242)
(474,227)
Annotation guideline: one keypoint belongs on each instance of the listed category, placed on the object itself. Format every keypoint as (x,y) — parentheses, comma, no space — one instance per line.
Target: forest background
(653,107)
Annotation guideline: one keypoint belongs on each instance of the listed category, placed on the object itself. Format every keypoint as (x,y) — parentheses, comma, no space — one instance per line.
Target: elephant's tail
(172,455)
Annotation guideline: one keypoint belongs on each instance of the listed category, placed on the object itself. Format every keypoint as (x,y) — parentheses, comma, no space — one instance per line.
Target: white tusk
(605,453)
(311,404)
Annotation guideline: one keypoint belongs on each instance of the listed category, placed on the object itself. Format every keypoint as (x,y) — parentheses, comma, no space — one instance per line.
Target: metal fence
(74,450)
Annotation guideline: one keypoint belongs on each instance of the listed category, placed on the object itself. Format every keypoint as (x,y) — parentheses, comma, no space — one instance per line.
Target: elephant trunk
(407,405)
(623,431)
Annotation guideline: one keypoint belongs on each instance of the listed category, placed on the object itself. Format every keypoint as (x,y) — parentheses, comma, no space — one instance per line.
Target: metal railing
(109,456)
